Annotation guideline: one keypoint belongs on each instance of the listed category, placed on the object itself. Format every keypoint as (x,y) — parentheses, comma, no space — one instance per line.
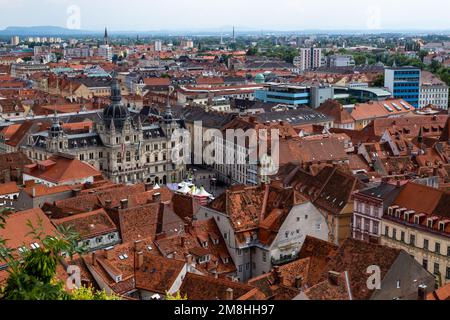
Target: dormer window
(205,244)
(204,259)
(442,226)
(35,246)
(430,223)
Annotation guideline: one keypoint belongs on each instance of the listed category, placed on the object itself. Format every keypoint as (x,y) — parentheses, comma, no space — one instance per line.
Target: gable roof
(158,274)
(17,231)
(355,257)
(57,169)
(198,287)
(88,225)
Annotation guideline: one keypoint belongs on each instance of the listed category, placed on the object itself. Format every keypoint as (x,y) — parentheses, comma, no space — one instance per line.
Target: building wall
(402,240)
(367,220)
(101,241)
(435,95)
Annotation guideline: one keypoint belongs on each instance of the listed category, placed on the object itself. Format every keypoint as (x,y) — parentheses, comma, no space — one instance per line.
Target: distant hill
(43,31)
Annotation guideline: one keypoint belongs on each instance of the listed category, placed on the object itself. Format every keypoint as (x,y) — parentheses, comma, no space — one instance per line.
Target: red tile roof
(198,287)
(9,188)
(60,170)
(17,231)
(88,225)
(158,274)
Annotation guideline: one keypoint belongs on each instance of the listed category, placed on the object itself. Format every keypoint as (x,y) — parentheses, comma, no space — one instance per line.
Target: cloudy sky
(149,15)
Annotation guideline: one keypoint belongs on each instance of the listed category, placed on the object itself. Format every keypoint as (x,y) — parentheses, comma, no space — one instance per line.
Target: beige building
(418,222)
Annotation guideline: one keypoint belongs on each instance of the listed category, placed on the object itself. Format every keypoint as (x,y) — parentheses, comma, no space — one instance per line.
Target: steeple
(168,116)
(55,130)
(105,37)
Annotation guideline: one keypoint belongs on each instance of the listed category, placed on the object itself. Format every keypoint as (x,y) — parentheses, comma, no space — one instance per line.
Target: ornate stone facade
(126,147)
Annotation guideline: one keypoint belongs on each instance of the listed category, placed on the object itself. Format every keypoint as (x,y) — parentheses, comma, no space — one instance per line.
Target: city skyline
(288,15)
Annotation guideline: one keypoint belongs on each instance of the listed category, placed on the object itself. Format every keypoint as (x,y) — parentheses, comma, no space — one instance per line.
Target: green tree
(379,81)
(176,296)
(89,293)
(32,273)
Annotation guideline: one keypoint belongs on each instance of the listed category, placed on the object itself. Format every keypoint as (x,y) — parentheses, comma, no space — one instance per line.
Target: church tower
(106,37)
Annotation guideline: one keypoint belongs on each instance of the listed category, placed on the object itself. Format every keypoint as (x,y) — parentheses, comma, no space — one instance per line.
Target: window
(448,251)
(437,248)
(128,156)
(119,157)
(375,227)
(436,268)
(240,268)
(402,236)
(81,157)
(264,256)
(386,231)
(447,273)
(425,244)
(394,234)
(367,225)
(412,240)
(425,264)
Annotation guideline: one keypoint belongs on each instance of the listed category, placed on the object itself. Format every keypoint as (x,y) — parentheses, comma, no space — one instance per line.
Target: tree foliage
(32,273)
(176,296)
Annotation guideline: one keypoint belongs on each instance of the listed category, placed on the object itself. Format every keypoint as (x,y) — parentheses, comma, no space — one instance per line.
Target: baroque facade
(127,147)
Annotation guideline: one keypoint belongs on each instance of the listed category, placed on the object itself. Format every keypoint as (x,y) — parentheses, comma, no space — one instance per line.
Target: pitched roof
(88,225)
(320,253)
(8,188)
(158,274)
(355,257)
(17,231)
(336,110)
(198,287)
(59,170)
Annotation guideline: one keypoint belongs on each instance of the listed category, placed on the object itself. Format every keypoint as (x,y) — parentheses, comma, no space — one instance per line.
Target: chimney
(94,259)
(108,253)
(124,203)
(298,282)
(422,294)
(156,197)
(333,277)
(139,260)
(229,294)
(138,245)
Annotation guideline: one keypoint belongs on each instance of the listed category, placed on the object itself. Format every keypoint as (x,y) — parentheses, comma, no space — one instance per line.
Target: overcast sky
(149,15)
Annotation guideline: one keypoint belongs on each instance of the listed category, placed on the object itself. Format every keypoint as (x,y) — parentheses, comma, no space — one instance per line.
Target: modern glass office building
(404,83)
(287,94)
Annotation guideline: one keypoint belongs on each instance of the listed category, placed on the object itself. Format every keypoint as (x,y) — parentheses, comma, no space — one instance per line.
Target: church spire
(168,116)
(106,37)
